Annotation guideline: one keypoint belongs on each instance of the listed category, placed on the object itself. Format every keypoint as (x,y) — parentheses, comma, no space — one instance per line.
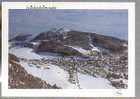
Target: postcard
(68,49)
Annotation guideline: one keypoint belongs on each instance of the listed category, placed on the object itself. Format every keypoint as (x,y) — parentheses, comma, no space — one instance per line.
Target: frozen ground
(28,53)
(56,75)
(89,82)
(24,52)
(53,75)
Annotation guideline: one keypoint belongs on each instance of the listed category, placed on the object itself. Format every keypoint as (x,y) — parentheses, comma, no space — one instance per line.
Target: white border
(130,92)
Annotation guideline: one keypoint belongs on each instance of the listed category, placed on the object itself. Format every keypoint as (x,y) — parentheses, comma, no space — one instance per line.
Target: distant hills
(71,42)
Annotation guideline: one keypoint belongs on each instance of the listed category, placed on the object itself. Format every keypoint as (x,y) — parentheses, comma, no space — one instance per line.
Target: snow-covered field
(53,75)
(56,75)
(28,53)
(89,82)
(24,52)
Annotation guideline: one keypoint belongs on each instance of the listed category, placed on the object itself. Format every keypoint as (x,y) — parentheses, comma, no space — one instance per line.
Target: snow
(90,82)
(81,50)
(58,76)
(24,52)
(94,48)
(53,75)
(28,53)
(35,43)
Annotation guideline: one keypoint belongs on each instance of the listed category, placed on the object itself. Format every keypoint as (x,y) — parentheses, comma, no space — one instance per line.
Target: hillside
(70,59)
(84,40)
(21,79)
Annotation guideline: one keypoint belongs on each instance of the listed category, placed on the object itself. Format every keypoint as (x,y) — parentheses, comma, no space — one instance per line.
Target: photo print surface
(69,49)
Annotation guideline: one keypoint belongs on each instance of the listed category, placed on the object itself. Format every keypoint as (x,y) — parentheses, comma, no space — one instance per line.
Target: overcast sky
(108,22)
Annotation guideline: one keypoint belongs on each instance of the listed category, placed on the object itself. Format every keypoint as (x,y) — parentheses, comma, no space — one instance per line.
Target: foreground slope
(20,78)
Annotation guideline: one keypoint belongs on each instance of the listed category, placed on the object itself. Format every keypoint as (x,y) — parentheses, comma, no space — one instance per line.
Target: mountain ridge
(59,41)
